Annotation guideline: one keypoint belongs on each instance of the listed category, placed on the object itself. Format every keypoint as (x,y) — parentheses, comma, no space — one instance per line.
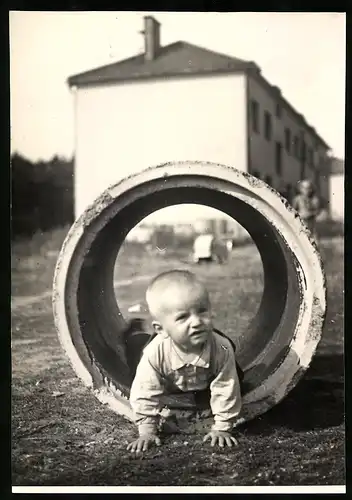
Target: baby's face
(185,316)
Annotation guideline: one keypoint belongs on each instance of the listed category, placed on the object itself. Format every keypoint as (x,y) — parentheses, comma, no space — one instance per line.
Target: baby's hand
(143,442)
(220,437)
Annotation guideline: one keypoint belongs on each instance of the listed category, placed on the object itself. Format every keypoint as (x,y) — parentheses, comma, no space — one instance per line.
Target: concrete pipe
(280,340)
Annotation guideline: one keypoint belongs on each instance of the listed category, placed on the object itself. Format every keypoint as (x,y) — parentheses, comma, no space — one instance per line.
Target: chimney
(151,38)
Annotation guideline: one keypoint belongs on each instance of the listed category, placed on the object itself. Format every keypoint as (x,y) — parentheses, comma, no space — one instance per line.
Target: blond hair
(170,281)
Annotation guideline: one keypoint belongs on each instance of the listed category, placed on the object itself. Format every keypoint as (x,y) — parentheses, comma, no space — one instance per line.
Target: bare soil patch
(61,435)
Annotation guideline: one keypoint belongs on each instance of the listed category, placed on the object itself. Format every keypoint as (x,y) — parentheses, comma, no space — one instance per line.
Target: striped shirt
(163,366)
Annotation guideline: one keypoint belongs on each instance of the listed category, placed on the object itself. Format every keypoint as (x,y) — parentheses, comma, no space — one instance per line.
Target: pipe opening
(96,322)
(164,241)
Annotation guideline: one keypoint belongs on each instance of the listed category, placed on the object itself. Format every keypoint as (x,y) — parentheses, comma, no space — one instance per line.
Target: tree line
(42,195)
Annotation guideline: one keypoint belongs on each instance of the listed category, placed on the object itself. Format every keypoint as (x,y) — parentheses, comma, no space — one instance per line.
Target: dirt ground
(61,435)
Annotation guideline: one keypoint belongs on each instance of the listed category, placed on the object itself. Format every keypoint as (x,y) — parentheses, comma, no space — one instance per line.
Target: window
(296,146)
(278,158)
(278,110)
(254,115)
(267,126)
(310,159)
(303,171)
(303,150)
(317,181)
(287,139)
(321,161)
(315,157)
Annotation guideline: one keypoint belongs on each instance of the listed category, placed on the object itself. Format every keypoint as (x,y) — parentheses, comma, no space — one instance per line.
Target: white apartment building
(183,102)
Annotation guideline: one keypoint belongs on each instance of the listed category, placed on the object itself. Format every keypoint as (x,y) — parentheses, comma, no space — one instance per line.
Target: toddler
(186,355)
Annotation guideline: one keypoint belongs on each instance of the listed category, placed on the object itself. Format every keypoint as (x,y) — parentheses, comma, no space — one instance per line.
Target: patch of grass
(329,228)
(40,243)
(72,440)
(61,435)
(33,262)
(236,286)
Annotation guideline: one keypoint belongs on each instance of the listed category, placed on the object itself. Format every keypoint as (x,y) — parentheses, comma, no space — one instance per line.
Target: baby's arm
(226,401)
(147,387)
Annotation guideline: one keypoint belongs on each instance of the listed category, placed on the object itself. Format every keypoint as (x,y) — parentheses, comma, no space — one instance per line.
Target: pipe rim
(271,205)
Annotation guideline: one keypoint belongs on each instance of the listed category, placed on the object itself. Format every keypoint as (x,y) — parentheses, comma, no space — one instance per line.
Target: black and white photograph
(177,251)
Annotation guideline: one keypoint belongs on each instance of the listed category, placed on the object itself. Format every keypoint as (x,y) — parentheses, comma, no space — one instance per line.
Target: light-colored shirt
(308,207)
(162,366)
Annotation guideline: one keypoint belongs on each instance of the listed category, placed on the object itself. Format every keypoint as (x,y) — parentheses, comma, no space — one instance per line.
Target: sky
(302,53)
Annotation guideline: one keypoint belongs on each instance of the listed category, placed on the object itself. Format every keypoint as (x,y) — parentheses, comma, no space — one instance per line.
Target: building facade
(122,129)
(282,147)
(183,102)
(337,189)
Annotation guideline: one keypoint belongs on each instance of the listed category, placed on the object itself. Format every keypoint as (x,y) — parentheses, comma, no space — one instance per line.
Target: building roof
(337,166)
(177,59)
(181,59)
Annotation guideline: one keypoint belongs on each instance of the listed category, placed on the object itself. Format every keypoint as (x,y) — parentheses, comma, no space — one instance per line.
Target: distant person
(208,248)
(203,248)
(308,205)
(186,355)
